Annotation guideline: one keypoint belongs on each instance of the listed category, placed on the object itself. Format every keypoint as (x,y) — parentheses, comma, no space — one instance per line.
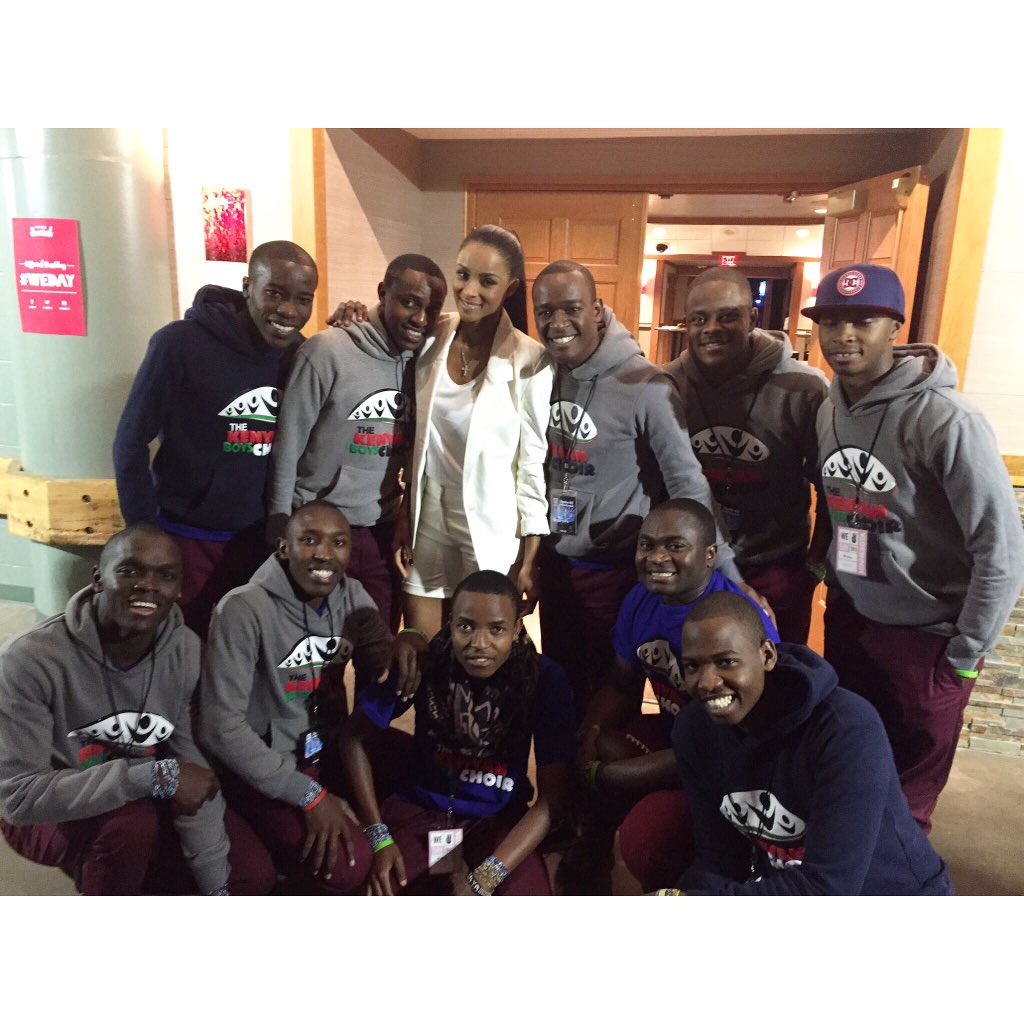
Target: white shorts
(443,556)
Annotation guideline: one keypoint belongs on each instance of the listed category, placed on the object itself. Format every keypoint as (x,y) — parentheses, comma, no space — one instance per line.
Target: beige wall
(995,366)
(228,158)
(374,209)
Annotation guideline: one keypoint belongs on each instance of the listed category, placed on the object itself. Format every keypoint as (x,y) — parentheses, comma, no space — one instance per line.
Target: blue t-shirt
(647,633)
(481,787)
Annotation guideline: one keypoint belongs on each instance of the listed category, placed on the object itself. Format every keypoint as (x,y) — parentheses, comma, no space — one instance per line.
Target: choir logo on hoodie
(572,423)
(304,665)
(762,817)
(251,417)
(662,670)
(133,733)
(733,460)
(849,470)
(382,419)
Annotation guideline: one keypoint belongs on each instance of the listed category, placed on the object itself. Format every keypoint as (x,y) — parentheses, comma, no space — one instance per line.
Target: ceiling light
(822,209)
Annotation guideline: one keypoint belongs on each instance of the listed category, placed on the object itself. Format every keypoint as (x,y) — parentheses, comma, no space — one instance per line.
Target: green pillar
(69,391)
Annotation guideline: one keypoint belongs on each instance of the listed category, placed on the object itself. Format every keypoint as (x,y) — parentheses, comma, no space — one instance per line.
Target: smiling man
(625,759)
(98,769)
(208,389)
(273,695)
(345,429)
(790,779)
(750,409)
(617,444)
(927,554)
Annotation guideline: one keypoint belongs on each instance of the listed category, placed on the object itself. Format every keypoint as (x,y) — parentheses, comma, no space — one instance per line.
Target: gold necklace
(462,356)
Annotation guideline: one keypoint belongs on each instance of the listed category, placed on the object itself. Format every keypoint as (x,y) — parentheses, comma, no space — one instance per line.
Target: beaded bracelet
(491,873)
(477,887)
(378,836)
(165,775)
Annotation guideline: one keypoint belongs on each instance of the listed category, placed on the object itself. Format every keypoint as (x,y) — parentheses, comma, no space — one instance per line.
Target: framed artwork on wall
(226,224)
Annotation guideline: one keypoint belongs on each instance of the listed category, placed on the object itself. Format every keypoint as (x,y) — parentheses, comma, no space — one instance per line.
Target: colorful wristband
(413,629)
(491,874)
(316,799)
(378,836)
(966,673)
(477,887)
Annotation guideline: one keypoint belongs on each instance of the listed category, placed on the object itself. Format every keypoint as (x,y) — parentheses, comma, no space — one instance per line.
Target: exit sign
(728,259)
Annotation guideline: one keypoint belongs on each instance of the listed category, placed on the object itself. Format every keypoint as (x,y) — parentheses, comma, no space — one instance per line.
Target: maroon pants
(409,824)
(282,828)
(578,609)
(656,833)
(789,588)
(211,568)
(134,850)
(372,565)
(904,673)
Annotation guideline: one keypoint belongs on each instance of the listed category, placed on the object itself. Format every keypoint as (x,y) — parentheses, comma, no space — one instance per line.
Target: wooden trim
(1015,467)
(753,221)
(309,211)
(762,183)
(705,257)
(967,243)
(796,286)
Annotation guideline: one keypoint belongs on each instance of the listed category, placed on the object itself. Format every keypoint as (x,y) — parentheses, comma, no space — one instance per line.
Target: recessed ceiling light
(823,209)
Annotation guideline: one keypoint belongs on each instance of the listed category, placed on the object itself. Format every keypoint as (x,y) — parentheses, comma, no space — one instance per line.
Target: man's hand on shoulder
(348,312)
(406,660)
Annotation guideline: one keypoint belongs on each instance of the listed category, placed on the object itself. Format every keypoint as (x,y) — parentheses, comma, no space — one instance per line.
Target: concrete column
(69,391)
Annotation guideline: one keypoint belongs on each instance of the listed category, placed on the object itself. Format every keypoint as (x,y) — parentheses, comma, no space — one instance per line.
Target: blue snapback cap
(859,288)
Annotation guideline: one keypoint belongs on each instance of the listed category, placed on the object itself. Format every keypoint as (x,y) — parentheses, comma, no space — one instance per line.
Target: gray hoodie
(63,708)
(945,548)
(618,429)
(345,426)
(265,655)
(759,451)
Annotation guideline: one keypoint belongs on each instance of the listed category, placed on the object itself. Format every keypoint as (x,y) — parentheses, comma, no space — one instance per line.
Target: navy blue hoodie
(816,794)
(208,387)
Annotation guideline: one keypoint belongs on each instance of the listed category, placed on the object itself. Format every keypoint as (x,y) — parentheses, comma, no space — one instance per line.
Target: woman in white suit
(477,497)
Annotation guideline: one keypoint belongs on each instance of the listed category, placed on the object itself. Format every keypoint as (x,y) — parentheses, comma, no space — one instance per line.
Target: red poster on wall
(48,275)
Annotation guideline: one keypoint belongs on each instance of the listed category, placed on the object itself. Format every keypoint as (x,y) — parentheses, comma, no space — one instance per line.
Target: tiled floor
(979,823)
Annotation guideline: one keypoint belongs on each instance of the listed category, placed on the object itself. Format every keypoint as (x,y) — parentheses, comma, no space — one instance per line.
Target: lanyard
(853,518)
(131,740)
(743,427)
(570,446)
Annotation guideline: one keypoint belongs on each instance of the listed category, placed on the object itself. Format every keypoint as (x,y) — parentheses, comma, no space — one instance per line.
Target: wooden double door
(602,230)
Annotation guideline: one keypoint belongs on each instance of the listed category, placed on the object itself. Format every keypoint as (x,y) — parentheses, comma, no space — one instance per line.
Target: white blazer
(503,486)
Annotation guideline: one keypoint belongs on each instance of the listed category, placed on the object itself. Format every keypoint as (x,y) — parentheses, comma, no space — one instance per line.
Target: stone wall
(994,719)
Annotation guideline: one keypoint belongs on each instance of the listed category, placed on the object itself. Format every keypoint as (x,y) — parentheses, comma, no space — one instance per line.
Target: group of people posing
(443,472)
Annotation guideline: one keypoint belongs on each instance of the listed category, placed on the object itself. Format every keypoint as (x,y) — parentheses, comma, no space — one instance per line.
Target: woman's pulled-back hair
(508,246)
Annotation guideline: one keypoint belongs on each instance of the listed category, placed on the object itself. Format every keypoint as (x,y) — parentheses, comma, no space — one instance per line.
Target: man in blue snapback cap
(927,553)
